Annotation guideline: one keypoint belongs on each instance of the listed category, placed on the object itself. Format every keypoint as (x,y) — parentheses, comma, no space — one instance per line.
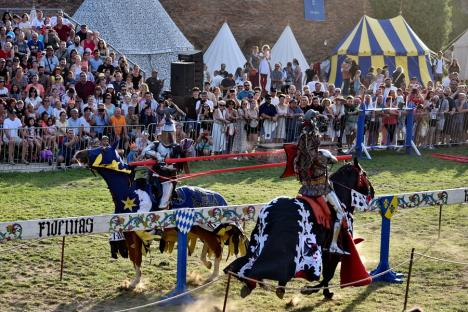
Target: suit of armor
(161,179)
(312,171)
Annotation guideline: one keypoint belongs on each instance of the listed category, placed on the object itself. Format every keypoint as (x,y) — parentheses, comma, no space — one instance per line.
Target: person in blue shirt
(244,94)
(35,46)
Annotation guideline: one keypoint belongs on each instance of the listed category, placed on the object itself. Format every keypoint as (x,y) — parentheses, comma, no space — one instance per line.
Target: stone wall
(253,22)
(258,22)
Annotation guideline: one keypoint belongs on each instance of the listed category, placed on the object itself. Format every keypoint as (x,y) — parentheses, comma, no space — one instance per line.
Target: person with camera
(204,143)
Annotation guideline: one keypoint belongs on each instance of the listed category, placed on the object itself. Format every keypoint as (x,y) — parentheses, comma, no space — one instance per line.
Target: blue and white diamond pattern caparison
(185,219)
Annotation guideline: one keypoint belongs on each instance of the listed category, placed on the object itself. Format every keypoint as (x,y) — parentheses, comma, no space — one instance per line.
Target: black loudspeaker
(182,78)
(195,56)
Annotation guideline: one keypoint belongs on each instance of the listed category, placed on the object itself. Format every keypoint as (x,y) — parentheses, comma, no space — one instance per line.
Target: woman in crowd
(282,109)
(33,98)
(220,118)
(231,129)
(102,48)
(240,141)
(252,120)
(34,139)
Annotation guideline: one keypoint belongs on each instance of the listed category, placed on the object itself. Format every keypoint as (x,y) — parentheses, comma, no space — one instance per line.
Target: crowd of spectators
(62,89)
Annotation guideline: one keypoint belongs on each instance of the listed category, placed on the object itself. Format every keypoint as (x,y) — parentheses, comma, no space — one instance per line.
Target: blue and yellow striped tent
(376,43)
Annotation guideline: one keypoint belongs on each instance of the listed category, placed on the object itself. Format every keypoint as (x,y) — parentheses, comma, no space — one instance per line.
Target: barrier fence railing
(374,129)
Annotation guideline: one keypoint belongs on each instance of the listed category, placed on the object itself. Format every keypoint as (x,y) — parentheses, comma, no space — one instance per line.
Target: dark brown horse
(288,242)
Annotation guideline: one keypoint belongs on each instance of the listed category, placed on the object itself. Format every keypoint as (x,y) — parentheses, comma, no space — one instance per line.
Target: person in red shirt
(84,88)
(62,30)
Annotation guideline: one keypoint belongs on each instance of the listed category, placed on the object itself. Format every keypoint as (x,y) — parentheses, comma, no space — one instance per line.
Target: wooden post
(408,279)
(61,261)
(440,219)
(227,292)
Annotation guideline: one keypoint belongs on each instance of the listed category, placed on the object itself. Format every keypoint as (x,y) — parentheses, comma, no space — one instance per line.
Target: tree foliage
(459,18)
(430,19)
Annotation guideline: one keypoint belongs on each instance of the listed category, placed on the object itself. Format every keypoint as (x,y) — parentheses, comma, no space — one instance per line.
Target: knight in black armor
(310,165)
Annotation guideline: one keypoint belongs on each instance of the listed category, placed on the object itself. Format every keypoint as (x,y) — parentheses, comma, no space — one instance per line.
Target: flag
(314,10)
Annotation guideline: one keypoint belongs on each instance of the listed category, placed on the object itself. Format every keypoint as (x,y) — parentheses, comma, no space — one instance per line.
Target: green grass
(29,275)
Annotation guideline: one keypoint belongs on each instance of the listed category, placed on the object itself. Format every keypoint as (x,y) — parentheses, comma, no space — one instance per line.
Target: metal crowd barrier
(377,129)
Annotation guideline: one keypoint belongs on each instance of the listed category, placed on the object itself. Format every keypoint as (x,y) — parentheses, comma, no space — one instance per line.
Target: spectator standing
(277,78)
(219,128)
(264,67)
(82,32)
(438,65)
(155,85)
(292,120)
(398,77)
(253,68)
(297,74)
(269,115)
(119,128)
(309,74)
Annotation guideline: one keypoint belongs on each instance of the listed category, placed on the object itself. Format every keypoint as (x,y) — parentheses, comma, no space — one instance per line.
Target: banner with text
(208,218)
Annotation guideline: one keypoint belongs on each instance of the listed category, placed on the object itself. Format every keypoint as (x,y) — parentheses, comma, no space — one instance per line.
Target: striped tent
(376,43)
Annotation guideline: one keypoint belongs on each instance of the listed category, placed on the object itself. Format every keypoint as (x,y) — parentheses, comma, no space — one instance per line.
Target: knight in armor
(162,175)
(312,172)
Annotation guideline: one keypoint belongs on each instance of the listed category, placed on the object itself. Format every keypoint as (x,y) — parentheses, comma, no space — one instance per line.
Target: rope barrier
(269,285)
(441,260)
(173,297)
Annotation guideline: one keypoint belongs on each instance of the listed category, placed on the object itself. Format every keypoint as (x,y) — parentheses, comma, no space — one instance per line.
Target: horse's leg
(329,269)
(203,255)
(134,245)
(212,243)
(281,289)
(215,273)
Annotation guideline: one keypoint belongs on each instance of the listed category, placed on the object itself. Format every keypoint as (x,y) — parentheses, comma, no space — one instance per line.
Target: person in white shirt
(3,89)
(388,87)
(53,19)
(204,99)
(439,64)
(274,98)
(11,129)
(38,21)
(216,82)
(264,68)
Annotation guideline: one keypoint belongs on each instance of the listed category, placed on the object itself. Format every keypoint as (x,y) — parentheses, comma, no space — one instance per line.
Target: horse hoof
(245,291)
(280,292)
(328,295)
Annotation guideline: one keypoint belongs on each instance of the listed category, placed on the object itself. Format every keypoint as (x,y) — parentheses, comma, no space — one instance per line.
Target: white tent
(460,52)
(286,49)
(142,30)
(224,49)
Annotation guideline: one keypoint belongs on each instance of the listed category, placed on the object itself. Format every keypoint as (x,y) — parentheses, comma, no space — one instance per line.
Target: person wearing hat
(82,32)
(159,150)
(49,61)
(312,172)
(269,114)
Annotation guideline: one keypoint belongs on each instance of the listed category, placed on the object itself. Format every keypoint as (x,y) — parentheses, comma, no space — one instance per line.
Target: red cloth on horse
(352,268)
(319,208)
